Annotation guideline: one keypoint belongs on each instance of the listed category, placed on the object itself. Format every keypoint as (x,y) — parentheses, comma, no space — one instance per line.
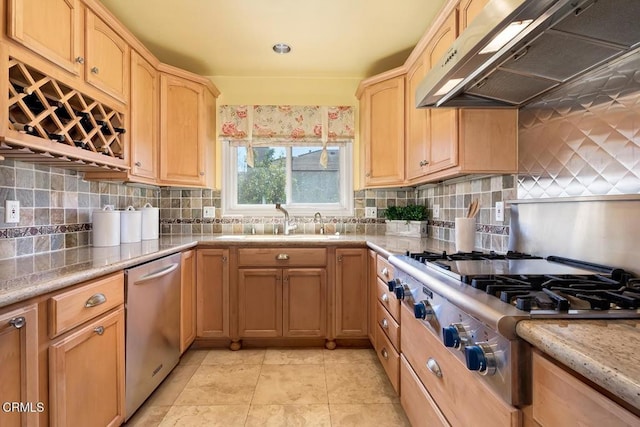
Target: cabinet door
(86,374)
(144,118)
(382,120)
(417,138)
(107,58)
(351,293)
(469,9)
(19,364)
(182,157)
(188,299)
(260,302)
(443,122)
(305,302)
(372,297)
(49,28)
(212,293)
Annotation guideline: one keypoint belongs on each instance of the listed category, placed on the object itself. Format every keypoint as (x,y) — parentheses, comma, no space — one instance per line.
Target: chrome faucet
(287,227)
(318,216)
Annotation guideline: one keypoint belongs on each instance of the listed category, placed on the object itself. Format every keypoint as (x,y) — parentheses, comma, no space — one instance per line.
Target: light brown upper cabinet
(52,29)
(469,9)
(382,128)
(74,38)
(417,138)
(187,123)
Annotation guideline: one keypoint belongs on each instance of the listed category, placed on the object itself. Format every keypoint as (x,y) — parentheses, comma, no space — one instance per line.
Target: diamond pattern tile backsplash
(583,139)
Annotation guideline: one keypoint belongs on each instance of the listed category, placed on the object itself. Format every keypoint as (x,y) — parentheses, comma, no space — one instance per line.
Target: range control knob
(423,310)
(454,336)
(399,291)
(393,284)
(480,357)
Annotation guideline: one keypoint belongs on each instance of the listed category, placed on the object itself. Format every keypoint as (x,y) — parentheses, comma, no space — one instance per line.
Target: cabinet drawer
(388,300)
(451,385)
(282,257)
(384,269)
(559,398)
(389,358)
(389,326)
(420,408)
(69,309)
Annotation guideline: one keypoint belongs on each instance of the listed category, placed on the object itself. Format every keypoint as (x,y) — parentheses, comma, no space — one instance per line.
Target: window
(290,174)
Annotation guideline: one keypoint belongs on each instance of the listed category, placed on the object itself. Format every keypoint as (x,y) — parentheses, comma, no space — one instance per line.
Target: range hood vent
(547,43)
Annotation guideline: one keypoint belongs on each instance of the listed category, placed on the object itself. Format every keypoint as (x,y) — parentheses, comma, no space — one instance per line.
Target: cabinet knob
(18,322)
(385,272)
(384,298)
(138,164)
(201,173)
(433,366)
(95,300)
(385,354)
(80,60)
(385,324)
(282,257)
(99,330)
(95,70)
(368,174)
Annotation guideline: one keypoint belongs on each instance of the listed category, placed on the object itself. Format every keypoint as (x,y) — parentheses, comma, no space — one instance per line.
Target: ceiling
(329,38)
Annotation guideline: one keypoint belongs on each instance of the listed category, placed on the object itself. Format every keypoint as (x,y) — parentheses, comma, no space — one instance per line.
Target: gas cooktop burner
(467,256)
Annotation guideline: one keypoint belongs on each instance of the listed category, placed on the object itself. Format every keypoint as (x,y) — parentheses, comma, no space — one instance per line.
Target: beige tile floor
(274,387)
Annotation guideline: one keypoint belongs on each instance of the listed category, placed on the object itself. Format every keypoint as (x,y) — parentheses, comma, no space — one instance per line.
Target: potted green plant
(408,221)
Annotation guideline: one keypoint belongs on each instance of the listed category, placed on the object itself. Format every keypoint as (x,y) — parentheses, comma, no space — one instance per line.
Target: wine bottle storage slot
(42,107)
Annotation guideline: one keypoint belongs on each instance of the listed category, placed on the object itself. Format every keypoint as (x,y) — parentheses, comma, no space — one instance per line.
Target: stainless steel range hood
(516,50)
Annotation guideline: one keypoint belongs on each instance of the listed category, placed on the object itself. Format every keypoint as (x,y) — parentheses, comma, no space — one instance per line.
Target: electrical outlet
(11,211)
(499,211)
(436,211)
(209,212)
(370,212)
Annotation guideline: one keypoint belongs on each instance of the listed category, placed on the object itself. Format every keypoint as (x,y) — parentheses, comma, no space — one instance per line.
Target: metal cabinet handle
(201,173)
(138,164)
(18,322)
(385,323)
(95,299)
(384,298)
(385,272)
(95,70)
(368,174)
(433,366)
(80,60)
(99,330)
(385,354)
(282,257)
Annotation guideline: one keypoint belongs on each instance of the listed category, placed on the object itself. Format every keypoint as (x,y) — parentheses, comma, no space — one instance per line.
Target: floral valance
(304,123)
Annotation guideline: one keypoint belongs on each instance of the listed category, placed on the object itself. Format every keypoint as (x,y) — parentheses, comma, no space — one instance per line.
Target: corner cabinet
(382,128)
(187,120)
(19,364)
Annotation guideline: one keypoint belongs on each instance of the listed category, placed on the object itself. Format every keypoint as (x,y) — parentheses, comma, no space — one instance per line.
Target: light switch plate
(11,211)
(370,212)
(436,211)
(499,211)
(209,212)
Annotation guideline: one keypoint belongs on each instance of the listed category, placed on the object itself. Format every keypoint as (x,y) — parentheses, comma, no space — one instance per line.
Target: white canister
(130,225)
(105,225)
(150,222)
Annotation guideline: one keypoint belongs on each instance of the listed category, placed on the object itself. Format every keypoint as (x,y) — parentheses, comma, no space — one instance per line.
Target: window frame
(229,194)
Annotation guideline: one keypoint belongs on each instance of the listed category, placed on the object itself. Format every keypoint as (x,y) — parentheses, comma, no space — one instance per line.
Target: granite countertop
(26,277)
(606,352)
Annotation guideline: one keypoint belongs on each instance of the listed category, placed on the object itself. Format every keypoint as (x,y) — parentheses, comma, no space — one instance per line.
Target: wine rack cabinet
(53,123)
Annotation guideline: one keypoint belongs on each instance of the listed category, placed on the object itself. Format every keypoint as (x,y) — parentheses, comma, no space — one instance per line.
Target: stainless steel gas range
(472,301)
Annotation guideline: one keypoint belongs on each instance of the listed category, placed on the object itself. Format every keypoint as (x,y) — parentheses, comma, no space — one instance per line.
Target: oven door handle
(433,366)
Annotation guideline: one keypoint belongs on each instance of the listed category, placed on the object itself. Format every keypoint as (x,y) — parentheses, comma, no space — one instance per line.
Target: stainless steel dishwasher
(152,327)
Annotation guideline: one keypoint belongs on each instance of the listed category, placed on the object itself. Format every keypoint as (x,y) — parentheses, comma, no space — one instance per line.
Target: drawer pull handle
(99,330)
(96,299)
(385,354)
(433,366)
(385,272)
(384,298)
(282,257)
(18,322)
(385,324)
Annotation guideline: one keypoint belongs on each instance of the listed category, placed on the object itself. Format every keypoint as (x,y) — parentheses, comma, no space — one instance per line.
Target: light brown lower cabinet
(187,299)
(19,366)
(561,399)
(274,302)
(86,374)
(350,305)
(212,306)
(420,408)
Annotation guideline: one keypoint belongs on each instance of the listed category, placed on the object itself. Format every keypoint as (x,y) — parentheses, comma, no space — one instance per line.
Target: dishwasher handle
(162,272)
